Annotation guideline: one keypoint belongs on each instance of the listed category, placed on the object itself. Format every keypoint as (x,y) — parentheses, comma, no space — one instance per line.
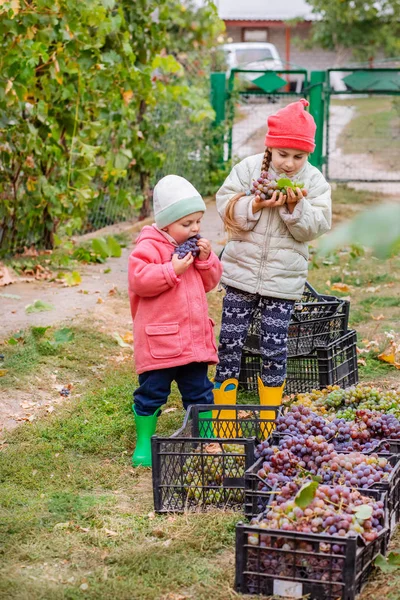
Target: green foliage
(377,228)
(83,99)
(363,26)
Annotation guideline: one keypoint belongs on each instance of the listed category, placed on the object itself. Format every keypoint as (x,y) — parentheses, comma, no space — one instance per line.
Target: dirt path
(72,302)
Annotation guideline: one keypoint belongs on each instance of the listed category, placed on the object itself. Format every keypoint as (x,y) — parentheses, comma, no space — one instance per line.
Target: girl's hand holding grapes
(277,199)
(293,197)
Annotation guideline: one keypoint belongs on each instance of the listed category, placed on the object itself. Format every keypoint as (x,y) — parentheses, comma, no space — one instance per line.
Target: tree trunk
(145,187)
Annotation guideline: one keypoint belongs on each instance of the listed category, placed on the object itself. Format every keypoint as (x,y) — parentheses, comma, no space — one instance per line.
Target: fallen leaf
(151,515)
(38,306)
(3,372)
(72,279)
(341,287)
(378,318)
(168,410)
(50,409)
(372,290)
(31,418)
(110,532)
(62,525)
(391,354)
(362,361)
(99,300)
(128,337)
(5,276)
(120,340)
(113,291)
(10,296)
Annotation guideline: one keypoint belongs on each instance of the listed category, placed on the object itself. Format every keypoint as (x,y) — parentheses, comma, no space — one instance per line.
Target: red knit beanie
(292,127)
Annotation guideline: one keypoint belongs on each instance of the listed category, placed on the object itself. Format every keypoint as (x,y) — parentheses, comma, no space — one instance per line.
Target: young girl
(265,261)
(173,335)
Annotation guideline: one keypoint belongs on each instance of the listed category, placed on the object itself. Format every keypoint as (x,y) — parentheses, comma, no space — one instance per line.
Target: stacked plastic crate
(321,349)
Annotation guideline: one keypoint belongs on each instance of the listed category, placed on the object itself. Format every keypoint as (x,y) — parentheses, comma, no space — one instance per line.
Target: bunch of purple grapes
(189,246)
(299,457)
(301,420)
(266,185)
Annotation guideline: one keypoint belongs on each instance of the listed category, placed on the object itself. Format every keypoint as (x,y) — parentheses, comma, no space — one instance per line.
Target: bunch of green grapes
(205,471)
(344,402)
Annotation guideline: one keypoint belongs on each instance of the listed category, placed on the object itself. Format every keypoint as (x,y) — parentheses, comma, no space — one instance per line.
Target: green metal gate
(253,95)
(362,134)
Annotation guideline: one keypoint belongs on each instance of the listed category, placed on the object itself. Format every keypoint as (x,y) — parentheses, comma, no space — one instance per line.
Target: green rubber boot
(206,429)
(145,428)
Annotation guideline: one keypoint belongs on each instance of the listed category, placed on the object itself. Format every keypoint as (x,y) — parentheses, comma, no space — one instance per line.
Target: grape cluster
(189,246)
(266,185)
(204,474)
(333,511)
(366,431)
(299,457)
(344,403)
(300,419)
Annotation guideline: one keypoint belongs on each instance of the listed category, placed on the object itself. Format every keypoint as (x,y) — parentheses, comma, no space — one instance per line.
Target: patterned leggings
(237,313)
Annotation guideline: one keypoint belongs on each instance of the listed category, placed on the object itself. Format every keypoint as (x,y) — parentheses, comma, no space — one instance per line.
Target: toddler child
(173,334)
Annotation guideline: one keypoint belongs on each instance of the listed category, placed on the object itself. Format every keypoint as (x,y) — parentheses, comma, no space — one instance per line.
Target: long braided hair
(231,226)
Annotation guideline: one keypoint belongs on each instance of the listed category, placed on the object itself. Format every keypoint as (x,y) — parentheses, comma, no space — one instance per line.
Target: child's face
(287,160)
(185,228)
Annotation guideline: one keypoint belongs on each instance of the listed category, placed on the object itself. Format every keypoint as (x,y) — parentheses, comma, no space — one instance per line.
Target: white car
(256,56)
(252,56)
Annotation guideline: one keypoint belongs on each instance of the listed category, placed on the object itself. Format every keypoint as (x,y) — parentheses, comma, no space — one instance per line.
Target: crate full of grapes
(324,551)
(203,463)
(294,454)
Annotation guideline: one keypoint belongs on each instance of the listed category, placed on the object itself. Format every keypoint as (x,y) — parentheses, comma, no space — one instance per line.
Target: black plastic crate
(316,321)
(190,471)
(392,487)
(293,564)
(336,364)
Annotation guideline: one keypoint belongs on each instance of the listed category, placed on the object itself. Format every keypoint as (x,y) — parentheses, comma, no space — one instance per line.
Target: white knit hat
(173,198)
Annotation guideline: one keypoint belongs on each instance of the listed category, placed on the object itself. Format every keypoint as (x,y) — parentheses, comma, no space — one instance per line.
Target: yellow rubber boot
(224,396)
(269,396)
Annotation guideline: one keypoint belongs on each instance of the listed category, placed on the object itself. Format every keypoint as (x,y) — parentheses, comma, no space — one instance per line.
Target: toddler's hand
(180,265)
(293,197)
(205,248)
(277,199)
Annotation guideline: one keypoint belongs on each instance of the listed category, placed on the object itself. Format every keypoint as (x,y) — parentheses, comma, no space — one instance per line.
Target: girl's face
(287,160)
(185,228)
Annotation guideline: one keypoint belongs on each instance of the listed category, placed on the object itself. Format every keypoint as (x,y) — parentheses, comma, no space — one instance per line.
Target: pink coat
(171,326)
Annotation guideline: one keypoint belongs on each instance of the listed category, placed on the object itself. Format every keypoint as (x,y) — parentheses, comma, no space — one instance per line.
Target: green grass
(375,119)
(73,512)
(380,302)
(33,354)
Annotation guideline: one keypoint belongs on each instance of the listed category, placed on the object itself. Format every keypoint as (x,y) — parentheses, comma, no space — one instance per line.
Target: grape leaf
(306,494)
(114,247)
(363,512)
(394,558)
(100,246)
(284,182)
(386,565)
(63,336)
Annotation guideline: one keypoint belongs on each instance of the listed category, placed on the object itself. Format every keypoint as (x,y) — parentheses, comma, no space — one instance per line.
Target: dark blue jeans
(155,387)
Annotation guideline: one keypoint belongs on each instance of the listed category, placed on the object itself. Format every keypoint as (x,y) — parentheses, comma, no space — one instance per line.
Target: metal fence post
(317,81)
(218,101)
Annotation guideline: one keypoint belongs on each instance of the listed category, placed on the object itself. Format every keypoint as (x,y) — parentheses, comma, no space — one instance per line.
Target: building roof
(263,10)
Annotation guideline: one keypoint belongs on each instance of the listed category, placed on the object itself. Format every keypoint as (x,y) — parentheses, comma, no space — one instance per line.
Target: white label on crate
(288,589)
(393,521)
